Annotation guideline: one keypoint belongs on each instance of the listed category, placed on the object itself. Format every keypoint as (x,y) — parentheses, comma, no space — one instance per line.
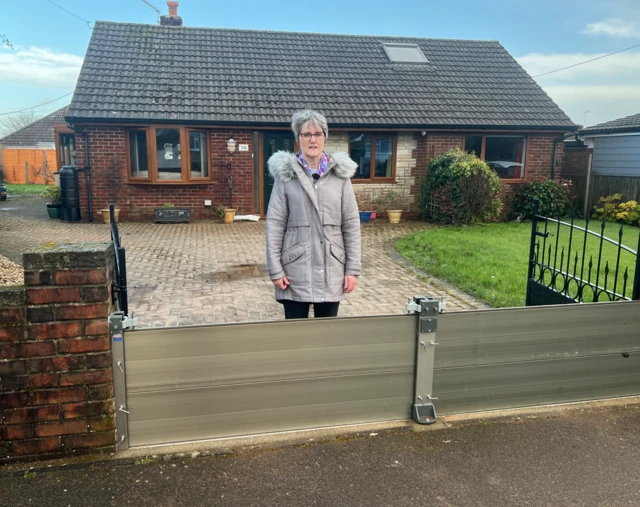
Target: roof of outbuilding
(619,125)
(38,132)
(135,72)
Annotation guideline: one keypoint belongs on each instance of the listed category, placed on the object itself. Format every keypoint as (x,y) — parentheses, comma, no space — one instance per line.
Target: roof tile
(149,72)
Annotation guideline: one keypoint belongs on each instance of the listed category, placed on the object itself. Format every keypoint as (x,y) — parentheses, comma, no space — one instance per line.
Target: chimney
(172,19)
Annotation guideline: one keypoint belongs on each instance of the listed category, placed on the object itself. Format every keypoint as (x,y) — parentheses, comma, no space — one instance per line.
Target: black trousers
(300,310)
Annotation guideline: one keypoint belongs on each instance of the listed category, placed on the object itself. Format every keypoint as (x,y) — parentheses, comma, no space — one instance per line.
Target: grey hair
(301,118)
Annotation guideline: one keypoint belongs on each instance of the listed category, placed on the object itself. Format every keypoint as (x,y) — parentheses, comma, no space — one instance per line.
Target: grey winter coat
(313,228)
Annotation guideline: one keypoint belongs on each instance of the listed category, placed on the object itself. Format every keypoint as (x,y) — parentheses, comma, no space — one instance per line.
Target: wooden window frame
(59,147)
(484,148)
(185,157)
(394,156)
(58,130)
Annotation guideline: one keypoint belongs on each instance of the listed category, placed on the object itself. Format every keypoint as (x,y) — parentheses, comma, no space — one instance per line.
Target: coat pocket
(295,265)
(335,261)
(338,253)
(292,254)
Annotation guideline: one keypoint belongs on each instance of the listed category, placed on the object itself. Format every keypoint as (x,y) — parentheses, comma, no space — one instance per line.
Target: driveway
(206,272)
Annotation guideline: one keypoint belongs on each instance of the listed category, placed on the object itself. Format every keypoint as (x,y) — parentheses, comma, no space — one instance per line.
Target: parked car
(3,192)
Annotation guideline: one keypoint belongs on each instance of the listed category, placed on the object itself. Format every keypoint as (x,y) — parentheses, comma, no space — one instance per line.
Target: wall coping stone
(88,255)
(12,296)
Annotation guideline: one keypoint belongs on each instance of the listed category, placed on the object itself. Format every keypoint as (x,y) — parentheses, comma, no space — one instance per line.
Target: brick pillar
(56,374)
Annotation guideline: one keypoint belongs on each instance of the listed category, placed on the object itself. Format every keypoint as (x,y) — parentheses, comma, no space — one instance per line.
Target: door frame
(261,165)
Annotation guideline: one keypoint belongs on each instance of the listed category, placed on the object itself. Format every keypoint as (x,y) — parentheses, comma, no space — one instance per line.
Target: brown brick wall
(576,161)
(538,163)
(137,201)
(109,182)
(56,376)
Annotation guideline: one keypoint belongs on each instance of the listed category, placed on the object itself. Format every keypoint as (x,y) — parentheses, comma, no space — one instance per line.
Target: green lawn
(490,261)
(24,189)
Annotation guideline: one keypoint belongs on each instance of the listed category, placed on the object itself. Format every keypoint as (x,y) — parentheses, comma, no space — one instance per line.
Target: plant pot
(229,214)
(172,215)
(365,216)
(54,210)
(373,215)
(394,215)
(107,217)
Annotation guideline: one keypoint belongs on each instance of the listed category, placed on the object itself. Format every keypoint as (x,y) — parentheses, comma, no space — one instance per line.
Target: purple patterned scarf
(322,166)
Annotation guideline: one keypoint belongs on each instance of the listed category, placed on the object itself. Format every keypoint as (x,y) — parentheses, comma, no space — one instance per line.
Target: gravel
(10,273)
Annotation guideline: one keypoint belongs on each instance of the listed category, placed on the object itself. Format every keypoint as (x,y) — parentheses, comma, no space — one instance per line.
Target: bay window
(505,154)
(375,155)
(157,155)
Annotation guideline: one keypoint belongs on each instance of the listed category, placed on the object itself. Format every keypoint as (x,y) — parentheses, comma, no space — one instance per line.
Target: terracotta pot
(107,217)
(229,214)
(394,215)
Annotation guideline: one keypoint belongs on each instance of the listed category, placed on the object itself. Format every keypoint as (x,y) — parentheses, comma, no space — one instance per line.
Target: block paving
(206,272)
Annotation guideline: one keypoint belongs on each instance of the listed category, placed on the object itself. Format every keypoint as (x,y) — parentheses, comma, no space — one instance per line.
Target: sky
(50,38)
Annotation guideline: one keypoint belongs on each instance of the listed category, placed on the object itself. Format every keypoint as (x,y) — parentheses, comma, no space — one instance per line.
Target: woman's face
(311,149)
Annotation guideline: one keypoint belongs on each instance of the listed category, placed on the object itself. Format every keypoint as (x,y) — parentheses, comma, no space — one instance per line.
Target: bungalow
(189,116)
(29,155)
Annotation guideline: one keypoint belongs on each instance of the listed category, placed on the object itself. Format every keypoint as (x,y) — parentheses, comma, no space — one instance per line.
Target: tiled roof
(39,132)
(159,73)
(626,124)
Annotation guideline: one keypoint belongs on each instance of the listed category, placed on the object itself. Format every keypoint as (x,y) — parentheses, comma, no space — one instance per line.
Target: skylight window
(404,53)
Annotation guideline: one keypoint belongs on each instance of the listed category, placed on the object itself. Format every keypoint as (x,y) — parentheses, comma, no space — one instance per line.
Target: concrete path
(576,457)
(207,272)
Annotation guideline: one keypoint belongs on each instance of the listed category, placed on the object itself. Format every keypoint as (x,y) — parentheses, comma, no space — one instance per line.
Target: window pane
(68,149)
(198,148)
(505,155)
(473,144)
(360,151)
(384,156)
(168,150)
(138,154)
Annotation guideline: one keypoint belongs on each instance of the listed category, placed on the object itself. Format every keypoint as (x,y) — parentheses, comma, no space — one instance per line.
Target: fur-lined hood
(282,163)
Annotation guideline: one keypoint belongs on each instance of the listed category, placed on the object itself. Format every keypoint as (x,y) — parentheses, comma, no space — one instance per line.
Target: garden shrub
(460,189)
(2,174)
(612,209)
(554,196)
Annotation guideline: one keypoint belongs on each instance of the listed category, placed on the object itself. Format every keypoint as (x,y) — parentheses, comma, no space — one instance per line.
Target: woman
(313,225)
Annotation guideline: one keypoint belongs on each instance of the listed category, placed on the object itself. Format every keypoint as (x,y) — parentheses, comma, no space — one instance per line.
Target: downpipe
(86,168)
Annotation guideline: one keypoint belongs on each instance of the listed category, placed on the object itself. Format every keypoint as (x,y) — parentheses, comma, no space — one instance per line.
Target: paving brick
(205,272)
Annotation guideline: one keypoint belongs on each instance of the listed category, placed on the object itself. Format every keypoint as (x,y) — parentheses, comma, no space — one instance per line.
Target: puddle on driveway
(239,272)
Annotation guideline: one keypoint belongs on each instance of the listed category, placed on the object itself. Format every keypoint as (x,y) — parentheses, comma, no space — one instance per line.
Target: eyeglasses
(308,135)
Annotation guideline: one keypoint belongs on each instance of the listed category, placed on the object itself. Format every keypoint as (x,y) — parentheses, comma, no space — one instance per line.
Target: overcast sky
(49,43)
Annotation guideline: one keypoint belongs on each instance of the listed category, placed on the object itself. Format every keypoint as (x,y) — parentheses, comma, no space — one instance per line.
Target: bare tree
(45,171)
(16,121)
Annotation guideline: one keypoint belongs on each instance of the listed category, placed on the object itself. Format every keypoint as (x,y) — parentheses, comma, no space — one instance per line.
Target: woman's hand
(282,283)
(350,283)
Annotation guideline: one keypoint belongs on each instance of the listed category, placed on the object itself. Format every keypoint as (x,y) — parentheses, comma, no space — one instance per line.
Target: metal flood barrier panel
(195,383)
(516,357)
(215,381)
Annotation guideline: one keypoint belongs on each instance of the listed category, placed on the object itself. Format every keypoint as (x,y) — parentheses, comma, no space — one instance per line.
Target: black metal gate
(119,286)
(562,272)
